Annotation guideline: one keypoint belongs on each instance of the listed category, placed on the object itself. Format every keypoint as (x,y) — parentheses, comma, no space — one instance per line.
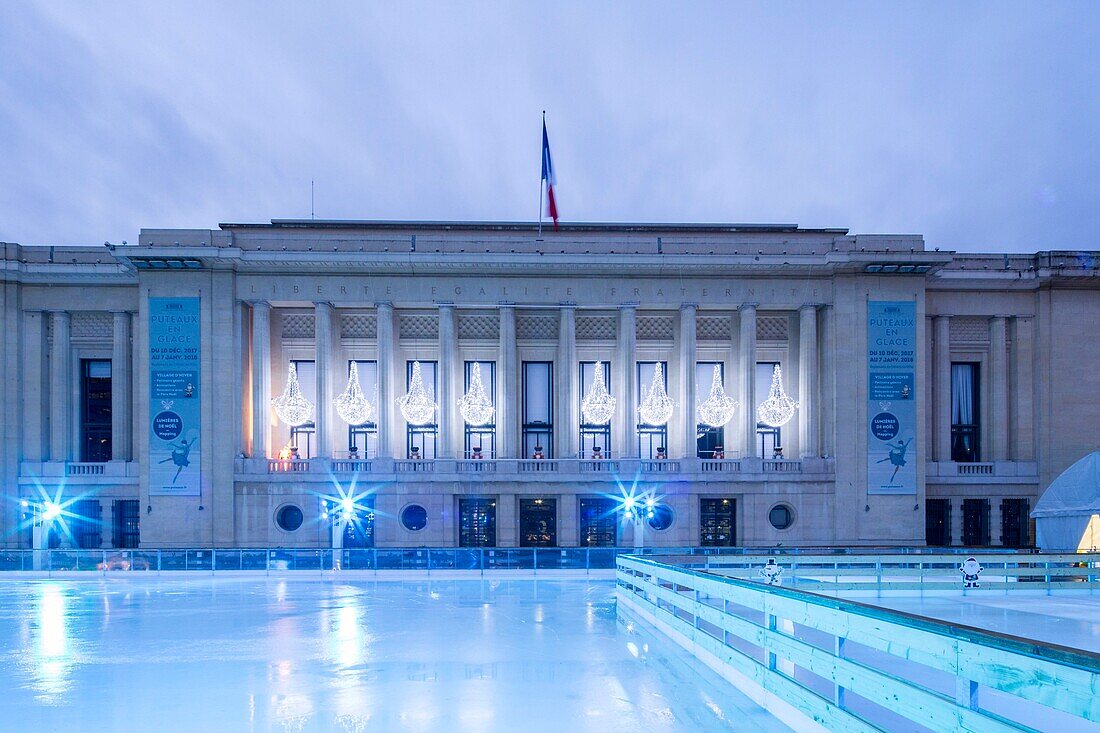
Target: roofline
(524,226)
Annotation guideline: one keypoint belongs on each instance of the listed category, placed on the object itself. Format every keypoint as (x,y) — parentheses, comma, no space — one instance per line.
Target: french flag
(548,177)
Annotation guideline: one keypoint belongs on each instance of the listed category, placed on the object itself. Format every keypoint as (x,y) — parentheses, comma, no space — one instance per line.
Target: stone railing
(984,472)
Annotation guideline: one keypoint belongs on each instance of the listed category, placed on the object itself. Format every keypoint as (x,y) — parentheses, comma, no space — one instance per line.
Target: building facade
(937,393)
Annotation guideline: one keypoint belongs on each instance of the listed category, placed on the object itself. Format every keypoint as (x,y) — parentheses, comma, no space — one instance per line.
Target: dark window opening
(420,440)
(937,522)
(86,523)
(1015,529)
(599,522)
(717,522)
(652,439)
(414,517)
(125,525)
(965,412)
(538,409)
(481,440)
(709,440)
(477,522)
(595,439)
(95,410)
(975,522)
(538,522)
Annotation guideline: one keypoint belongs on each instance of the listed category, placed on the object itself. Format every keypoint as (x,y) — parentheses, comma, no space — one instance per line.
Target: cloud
(972,125)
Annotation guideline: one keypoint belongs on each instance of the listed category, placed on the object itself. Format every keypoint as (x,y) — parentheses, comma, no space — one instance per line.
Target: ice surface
(1069,618)
(242,654)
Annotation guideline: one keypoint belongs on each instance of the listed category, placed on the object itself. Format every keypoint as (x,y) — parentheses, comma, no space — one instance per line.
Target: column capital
(748,306)
(384,304)
(322,304)
(447,304)
(570,304)
(630,305)
(57,313)
(263,304)
(506,303)
(809,306)
(689,306)
(938,316)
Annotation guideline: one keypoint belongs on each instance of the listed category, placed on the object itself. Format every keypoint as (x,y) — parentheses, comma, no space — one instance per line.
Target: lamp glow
(475,405)
(598,405)
(656,407)
(778,409)
(417,405)
(352,405)
(291,406)
(51,511)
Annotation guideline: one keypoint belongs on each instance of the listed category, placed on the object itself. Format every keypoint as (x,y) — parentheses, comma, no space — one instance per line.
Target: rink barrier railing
(935,571)
(823,663)
(369,559)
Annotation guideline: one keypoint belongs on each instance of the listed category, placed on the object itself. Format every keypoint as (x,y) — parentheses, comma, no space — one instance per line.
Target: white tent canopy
(1070,508)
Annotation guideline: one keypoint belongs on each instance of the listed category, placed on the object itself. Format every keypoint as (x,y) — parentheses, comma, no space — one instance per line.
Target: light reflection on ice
(53,655)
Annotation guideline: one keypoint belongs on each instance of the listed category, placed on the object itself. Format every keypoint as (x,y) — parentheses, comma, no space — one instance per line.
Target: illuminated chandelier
(417,406)
(291,406)
(656,407)
(475,405)
(352,406)
(778,409)
(598,405)
(718,408)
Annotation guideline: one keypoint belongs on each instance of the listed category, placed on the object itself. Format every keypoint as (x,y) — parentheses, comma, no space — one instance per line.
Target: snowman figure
(771,572)
(970,570)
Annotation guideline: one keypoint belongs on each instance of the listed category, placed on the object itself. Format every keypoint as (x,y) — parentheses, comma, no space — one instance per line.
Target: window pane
(536,392)
(95,410)
(307,379)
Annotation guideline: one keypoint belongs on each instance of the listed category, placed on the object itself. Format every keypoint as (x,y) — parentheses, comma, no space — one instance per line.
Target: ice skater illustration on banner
(181,451)
(897,456)
(771,572)
(970,570)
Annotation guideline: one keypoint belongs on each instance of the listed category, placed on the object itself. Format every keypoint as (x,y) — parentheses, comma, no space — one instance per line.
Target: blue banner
(174,413)
(891,397)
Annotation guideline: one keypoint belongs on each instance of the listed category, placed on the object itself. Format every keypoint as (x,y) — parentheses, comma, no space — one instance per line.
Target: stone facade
(450,293)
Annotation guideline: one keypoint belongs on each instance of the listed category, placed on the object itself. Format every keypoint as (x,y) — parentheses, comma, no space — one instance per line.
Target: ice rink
(1068,618)
(235,654)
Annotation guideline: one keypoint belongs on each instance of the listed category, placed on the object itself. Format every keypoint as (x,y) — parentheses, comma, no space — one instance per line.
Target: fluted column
(998,363)
(807,381)
(450,422)
(747,357)
(261,379)
(325,418)
(567,423)
(386,396)
(626,405)
(508,427)
(686,408)
(941,388)
(121,420)
(61,388)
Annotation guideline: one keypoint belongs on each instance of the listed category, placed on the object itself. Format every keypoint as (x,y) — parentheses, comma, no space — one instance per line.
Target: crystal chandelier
(291,406)
(778,409)
(718,408)
(598,405)
(417,406)
(475,405)
(352,406)
(656,407)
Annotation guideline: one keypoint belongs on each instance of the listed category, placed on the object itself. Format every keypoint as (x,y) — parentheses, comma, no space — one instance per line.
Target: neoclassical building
(515,389)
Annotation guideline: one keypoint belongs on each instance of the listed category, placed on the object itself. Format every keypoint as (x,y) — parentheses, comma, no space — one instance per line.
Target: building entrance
(538,522)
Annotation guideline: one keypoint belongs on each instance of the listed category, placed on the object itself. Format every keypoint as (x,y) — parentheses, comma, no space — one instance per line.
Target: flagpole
(542,154)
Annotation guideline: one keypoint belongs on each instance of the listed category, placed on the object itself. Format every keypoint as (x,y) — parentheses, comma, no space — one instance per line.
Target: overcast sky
(974,124)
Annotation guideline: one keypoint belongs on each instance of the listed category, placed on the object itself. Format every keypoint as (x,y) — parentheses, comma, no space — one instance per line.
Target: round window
(414,517)
(662,518)
(289,518)
(781,516)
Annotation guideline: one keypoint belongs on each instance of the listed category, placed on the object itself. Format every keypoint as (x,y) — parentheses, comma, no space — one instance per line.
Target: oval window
(414,517)
(662,518)
(289,518)
(781,516)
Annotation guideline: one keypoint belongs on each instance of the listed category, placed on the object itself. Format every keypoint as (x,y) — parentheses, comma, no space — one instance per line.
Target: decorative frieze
(970,330)
(654,328)
(596,328)
(418,326)
(297,326)
(713,328)
(537,326)
(479,327)
(772,328)
(358,326)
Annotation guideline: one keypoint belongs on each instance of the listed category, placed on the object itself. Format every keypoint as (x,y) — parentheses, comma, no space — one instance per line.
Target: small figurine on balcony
(777,453)
(719,453)
(537,454)
(970,570)
(476,453)
(661,454)
(596,454)
(771,572)
(414,453)
(293,452)
(353,453)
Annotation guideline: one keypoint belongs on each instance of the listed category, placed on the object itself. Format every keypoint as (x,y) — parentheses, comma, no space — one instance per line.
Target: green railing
(824,663)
